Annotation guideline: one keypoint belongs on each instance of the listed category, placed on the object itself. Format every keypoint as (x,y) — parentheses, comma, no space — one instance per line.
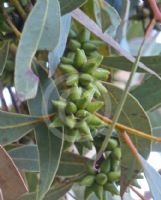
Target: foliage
(59,61)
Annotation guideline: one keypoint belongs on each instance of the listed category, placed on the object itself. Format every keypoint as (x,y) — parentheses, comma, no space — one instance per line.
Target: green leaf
(14,126)
(121,63)
(149,93)
(57,53)
(3,56)
(50,142)
(134,116)
(54,194)
(26,158)
(51,32)
(26,82)
(153,178)
(67,7)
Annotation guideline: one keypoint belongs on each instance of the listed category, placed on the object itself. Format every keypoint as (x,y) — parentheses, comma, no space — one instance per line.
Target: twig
(156,12)
(122,127)
(137,193)
(19,8)
(13,100)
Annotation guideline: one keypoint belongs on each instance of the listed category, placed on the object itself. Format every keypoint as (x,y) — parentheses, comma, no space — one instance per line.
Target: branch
(156,12)
(19,8)
(137,193)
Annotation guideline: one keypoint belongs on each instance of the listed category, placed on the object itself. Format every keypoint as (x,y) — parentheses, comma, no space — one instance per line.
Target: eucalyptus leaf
(49,142)
(134,116)
(54,194)
(26,82)
(55,55)
(149,93)
(14,126)
(153,178)
(3,56)
(121,63)
(68,6)
(26,159)
(51,32)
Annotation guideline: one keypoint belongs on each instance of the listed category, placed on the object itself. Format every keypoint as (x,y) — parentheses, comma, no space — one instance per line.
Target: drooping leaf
(153,178)
(51,32)
(26,158)
(14,126)
(134,116)
(26,82)
(92,26)
(54,194)
(149,93)
(67,7)
(57,53)
(3,56)
(11,182)
(121,63)
(49,142)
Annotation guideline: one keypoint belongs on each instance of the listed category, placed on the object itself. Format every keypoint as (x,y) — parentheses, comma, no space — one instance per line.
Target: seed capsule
(67,61)
(71,108)
(111,187)
(81,103)
(116,154)
(106,166)
(59,104)
(85,79)
(88,94)
(115,165)
(94,106)
(68,69)
(101,74)
(75,93)
(80,58)
(113,176)
(112,144)
(99,191)
(81,113)
(84,36)
(87,181)
(101,87)
(88,47)
(56,123)
(74,45)
(101,178)
(70,121)
(72,80)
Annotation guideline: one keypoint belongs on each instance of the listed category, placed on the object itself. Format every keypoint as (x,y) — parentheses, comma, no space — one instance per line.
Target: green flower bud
(88,94)
(71,55)
(80,58)
(71,108)
(90,168)
(70,121)
(115,164)
(94,106)
(106,166)
(112,188)
(72,33)
(101,178)
(116,154)
(85,79)
(136,184)
(68,69)
(59,104)
(99,191)
(72,135)
(75,93)
(81,113)
(101,74)
(84,36)
(101,87)
(81,103)
(67,61)
(112,144)
(74,45)
(72,80)
(83,126)
(88,192)
(93,120)
(88,47)
(56,123)
(87,181)
(114,176)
